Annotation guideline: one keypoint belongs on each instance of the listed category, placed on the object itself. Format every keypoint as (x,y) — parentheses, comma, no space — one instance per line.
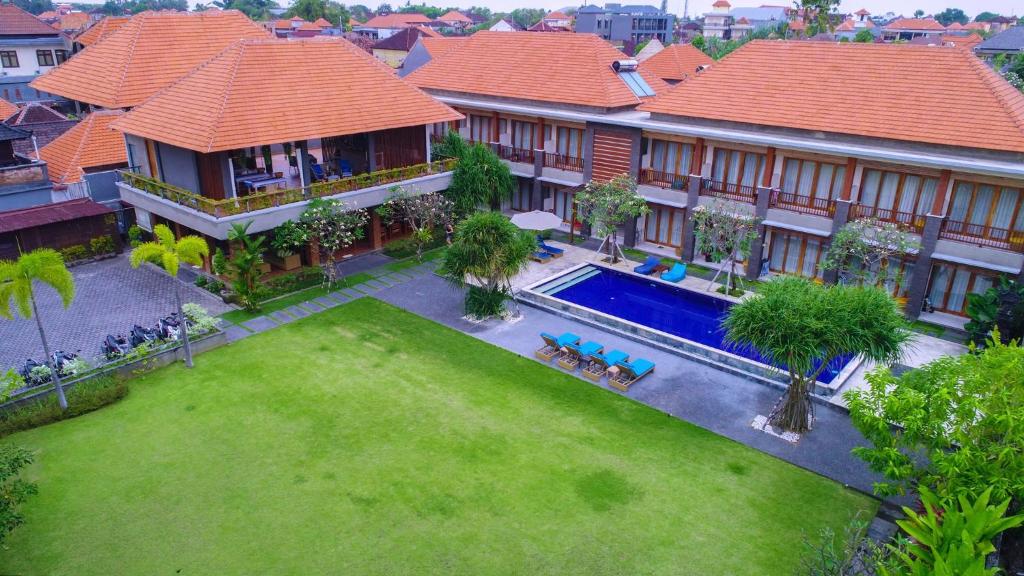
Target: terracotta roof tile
(148,53)
(914,24)
(850,25)
(775,83)
(323,23)
(253,93)
(90,144)
(676,62)
(396,20)
(556,15)
(955,26)
(721,4)
(308,26)
(437,46)
(563,68)
(455,16)
(975,26)
(7,109)
(862,12)
(72,21)
(15,21)
(968,41)
(101,30)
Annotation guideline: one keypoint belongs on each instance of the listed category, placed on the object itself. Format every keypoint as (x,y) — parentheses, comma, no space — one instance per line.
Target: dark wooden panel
(611,155)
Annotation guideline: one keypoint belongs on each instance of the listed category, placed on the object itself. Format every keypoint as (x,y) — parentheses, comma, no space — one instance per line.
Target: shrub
(13,490)
(84,397)
(201,320)
(102,245)
(406,247)
(200,280)
(135,236)
(219,263)
(214,286)
(74,253)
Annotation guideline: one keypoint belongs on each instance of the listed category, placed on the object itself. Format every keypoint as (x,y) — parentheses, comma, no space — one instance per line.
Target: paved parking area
(110,297)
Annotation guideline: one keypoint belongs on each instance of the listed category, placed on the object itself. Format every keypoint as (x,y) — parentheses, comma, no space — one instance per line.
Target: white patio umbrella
(537,220)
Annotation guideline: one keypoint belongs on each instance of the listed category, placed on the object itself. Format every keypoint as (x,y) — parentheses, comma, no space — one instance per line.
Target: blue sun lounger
(647,267)
(553,345)
(575,354)
(540,256)
(599,363)
(676,274)
(630,373)
(554,252)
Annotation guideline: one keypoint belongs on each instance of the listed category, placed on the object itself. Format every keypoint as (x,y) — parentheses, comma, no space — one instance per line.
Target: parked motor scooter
(34,378)
(115,346)
(169,328)
(140,335)
(61,361)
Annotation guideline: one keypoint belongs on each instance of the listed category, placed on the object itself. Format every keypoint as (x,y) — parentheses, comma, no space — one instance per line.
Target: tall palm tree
(17,283)
(167,253)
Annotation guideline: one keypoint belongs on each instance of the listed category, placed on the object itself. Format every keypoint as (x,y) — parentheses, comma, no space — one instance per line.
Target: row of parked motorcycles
(114,346)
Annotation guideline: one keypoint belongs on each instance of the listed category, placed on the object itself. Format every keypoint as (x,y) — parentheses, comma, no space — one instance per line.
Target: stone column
(839,219)
(917,290)
(536,195)
(302,156)
(757,246)
(371,152)
(376,229)
(588,153)
(630,233)
(692,200)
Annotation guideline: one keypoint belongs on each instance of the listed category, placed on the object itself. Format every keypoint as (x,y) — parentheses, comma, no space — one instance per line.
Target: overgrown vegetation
(1001,308)
(13,489)
(245,263)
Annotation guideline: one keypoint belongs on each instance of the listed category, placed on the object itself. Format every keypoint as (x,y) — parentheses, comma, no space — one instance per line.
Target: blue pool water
(684,313)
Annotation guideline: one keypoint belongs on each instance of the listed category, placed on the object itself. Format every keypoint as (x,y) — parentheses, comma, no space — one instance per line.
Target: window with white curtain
(738,168)
(899,192)
(522,134)
(794,253)
(812,179)
(950,285)
(992,211)
(479,128)
(671,157)
(569,141)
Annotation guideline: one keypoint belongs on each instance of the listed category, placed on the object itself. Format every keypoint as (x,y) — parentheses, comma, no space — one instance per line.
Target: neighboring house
(1001,24)
(557,19)
(505,25)
(761,17)
(653,47)
(625,23)
(727,22)
(394,49)
(454,21)
(380,27)
(99,31)
(910,28)
(44,124)
(426,49)
(73,23)
(542,26)
(969,41)
(1009,42)
(82,161)
(676,63)
(718,22)
(28,47)
(861,20)
(686,31)
(7,109)
(24,180)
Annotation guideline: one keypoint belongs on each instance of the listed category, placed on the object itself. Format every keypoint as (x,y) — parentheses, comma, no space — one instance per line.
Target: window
(812,179)
(62,56)
(45,57)
(563,204)
(522,134)
(569,141)
(664,225)
(671,157)
(736,168)
(9,58)
(521,195)
(795,253)
(951,284)
(897,196)
(986,210)
(479,128)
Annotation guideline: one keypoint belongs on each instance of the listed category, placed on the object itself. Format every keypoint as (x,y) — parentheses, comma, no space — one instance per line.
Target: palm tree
(17,282)
(168,253)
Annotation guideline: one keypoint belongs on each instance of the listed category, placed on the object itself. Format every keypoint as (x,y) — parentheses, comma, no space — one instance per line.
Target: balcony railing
(275,198)
(563,162)
(513,154)
(720,189)
(803,204)
(983,235)
(913,221)
(664,179)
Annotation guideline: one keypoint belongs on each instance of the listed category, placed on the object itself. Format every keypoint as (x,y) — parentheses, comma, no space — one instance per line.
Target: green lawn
(365,440)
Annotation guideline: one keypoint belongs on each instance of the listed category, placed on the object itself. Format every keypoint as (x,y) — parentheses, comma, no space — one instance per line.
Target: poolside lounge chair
(541,257)
(554,252)
(648,267)
(575,354)
(599,363)
(629,373)
(676,274)
(553,345)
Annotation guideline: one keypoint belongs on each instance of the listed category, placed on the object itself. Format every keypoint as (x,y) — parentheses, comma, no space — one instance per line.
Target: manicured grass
(412,262)
(238,316)
(365,440)
(926,328)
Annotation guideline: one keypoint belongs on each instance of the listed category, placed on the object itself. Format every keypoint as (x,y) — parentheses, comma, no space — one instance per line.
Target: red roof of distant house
(101,30)
(397,20)
(862,12)
(14,220)
(676,62)
(90,144)
(721,4)
(915,24)
(48,15)
(955,26)
(975,26)
(72,21)
(404,39)
(968,41)
(310,26)
(798,25)
(456,16)
(850,25)
(16,22)
(353,22)
(323,23)
(771,83)
(743,20)
(7,109)
(543,26)
(556,15)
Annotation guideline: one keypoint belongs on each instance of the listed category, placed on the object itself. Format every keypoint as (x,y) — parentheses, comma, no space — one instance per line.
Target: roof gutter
(638,119)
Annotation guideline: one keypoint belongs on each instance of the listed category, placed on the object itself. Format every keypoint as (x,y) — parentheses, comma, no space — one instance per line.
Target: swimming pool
(663,307)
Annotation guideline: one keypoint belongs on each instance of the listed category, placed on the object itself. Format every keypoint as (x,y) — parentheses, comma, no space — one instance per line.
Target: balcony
(912,221)
(563,162)
(803,204)
(982,235)
(729,191)
(513,154)
(664,179)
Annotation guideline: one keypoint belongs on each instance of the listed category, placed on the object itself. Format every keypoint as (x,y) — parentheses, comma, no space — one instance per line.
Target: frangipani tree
(863,250)
(17,284)
(805,326)
(422,212)
(725,235)
(168,253)
(332,227)
(606,205)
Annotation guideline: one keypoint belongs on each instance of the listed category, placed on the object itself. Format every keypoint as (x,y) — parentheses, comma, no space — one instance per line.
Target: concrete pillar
(371,142)
(538,162)
(839,219)
(588,152)
(630,233)
(302,156)
(692,200)
(376,230)
(536,195)
(917,290)
(757,245)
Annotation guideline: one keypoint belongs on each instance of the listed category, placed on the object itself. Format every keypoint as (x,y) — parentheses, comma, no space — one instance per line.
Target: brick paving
(110,297)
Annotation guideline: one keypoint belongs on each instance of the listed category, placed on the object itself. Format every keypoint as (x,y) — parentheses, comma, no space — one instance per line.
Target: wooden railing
(274,198)
(563,162)
(513,154)
(804,204)
(912,221)
(983,235)
(720,189)
(664,179)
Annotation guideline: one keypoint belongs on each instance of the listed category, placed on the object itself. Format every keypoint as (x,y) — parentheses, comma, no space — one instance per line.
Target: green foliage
(332,227)
(964,414)
(850,553)
(950,15)
(950,539)
(255,9)
(84,397)
(480,178)
(723,235)
(288,238)
(167,252)
(119,7)
(310,10)
(244,266)
(986,16)
(451,146)
(432,12)
(17,278)
(864,36)
(200,280)
(201,320)
(803,325)
(527,17)
(822,13)
(864,252)
(13,490)
(74,253)
(102,245)
(487,252)
(608,205)
(219,263)
(135,235)
(9,381)
(719,48)
(698,42)
(423,213)
(1002,307)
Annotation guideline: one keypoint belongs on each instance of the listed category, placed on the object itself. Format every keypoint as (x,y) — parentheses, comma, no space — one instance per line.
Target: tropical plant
(135,235)
(486,253)
(202,321)
(288,237)
(955,425)
(167,253)
(451,146)
(724,235)
(864,36)
(606,205)
(423,213)
(245,263)
(819,14)
(17,283)
(328,224)
(13,490)
(849,553)
(1002,307)
(10,381)
(865,252)
(480,178)
(219,262)
(803,326)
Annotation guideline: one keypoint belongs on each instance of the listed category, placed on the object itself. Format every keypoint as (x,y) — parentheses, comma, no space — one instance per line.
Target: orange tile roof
(455,16)
(862,12)
(353,22)
(148,53)
(396,20)
(721,4)
(835,87)
(253,93)
(308,26)
(437,46)
(850,25)
(975,26)
(7,109)
(323,23)
(15,21)
(89,144)
(914,24)
(282,25)
(799,25)
(968,41)
(556,15)
(955,26)
(676,62)
(101,30)
(72,21)
(523,66)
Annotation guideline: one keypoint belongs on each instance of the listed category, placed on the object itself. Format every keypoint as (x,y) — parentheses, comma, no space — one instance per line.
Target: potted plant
(288,238)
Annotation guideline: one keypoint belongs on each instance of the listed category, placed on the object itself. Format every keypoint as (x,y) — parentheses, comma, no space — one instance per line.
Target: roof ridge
(86,125)
(131,53)
(1012,101)
(227,90)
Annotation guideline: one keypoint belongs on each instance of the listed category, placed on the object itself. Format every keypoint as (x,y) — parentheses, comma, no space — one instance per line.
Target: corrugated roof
(676,62)
(148,53)
(14,220)
(90,144)
(101,30)
(875,90)
(253,93)
(16,22)
(562,68)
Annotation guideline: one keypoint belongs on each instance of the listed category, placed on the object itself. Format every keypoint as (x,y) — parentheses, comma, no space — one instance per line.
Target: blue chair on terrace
(553,345)
(554,252)
(317,171)
(600,363)
(344,168)
(676,274)
(648,267)
(629,373)
(575,354)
